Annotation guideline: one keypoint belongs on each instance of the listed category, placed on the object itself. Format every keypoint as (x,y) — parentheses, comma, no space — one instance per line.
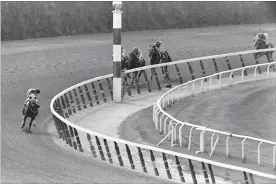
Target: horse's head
(33,105)
(151,51)
(256,38)
(125,63)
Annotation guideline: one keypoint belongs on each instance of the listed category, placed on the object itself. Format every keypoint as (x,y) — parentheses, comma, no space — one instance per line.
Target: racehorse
(30,110)
(260,44)
(133,60)
(158,57)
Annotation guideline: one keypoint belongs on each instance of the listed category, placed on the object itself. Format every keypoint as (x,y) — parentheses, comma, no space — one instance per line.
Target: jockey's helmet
(122,50)
(136,51)
(157,43)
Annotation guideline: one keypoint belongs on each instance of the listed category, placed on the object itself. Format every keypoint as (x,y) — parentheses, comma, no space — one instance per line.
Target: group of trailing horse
(135,60)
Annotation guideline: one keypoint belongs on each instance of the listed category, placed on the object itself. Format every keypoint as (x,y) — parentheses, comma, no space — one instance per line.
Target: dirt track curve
(54,64)
(35,158)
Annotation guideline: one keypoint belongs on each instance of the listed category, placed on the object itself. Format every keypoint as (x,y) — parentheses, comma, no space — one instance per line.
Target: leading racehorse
(30,110)
(158,57)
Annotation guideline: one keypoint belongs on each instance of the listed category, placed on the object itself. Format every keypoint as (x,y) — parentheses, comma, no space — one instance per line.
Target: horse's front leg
(167,78)
(162,69)
(269,57)
(134,77)
(24,122)
(30,124)
(140,73)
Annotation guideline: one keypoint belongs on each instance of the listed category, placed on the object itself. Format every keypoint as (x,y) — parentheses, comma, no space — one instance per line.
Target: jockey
(123,51)
(264,37)
(158,45)
(137,52)
(31,93)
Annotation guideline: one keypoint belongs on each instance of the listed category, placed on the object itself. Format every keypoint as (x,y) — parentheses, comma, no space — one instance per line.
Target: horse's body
(132,61)
(158,57)
(31,111)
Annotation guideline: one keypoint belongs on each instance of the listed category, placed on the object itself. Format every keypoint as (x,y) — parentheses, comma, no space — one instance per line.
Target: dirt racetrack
(245,109)
(54,64)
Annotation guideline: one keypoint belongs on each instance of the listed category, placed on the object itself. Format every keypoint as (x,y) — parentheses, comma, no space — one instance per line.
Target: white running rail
(120,152)
(161,117)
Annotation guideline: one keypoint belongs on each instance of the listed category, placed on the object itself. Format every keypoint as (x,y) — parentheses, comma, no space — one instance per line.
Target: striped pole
(117,25)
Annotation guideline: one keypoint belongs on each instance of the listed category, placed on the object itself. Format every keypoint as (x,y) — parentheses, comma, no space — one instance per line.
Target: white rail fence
(148,159)
(190,69)
(161,118)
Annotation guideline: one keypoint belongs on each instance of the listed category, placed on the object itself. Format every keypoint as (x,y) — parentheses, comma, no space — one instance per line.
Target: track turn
(35,158)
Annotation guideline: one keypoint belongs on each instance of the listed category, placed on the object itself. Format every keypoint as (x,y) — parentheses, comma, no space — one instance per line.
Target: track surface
(54,64)
(245,109)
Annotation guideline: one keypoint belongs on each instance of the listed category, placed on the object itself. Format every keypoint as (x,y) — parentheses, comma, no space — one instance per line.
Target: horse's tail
(168,56)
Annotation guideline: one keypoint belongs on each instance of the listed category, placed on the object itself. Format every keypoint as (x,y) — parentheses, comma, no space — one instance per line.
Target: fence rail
(161,117)
(152,160)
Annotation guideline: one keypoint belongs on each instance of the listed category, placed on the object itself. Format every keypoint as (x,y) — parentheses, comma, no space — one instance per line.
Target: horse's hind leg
(151,74)
(256,57)
(269,56)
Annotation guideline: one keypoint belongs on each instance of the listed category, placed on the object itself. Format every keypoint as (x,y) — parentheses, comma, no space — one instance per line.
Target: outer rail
(168,98)
(116,151)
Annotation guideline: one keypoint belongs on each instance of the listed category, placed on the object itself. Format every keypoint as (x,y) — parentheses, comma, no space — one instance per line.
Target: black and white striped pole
(117,25)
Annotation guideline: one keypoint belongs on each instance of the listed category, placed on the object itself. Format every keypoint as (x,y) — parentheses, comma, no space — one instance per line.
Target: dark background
(22,20)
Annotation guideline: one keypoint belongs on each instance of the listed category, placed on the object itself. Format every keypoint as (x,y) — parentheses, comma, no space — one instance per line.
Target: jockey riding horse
(261,42)
(136,60)
(30,92)
(30,110)
(31,106)
(157,57)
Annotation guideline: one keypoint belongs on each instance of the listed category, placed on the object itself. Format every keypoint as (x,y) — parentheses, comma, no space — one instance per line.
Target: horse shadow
(40,133)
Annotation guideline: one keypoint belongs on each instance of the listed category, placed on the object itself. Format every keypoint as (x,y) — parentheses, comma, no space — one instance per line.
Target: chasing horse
(157,57)
(133,60)
(261,42)
(30,108)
